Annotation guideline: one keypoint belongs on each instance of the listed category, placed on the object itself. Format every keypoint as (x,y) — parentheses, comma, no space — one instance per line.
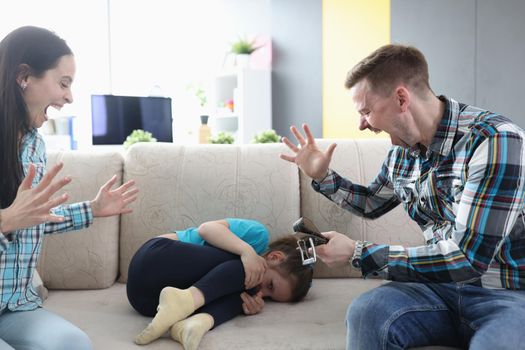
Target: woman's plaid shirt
(466,192)
(19,256)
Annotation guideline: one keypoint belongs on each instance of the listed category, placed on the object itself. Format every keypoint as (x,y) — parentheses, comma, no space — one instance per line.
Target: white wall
(170,43)
(84,27)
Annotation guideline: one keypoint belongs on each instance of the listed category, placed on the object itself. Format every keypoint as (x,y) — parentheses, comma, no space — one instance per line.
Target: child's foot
(190,331)
(174,305)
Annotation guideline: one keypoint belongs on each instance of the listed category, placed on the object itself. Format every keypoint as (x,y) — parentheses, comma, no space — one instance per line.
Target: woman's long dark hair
(26,51)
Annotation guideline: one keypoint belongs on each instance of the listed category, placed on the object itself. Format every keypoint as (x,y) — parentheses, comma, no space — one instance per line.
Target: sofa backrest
(183,186)
(86,259)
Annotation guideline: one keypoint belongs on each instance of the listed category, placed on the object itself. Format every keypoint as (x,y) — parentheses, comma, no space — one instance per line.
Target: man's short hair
(389,66)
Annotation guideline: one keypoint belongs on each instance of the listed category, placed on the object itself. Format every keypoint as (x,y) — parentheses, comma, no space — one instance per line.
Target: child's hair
(293,266)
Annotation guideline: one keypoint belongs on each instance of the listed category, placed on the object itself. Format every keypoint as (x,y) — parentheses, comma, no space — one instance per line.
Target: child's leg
(174,305)
(224,279)
(177,304)
(190,331)
(162,262)
(224,308)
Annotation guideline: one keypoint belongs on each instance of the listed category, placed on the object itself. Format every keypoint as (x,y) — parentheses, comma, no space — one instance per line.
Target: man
(459,172)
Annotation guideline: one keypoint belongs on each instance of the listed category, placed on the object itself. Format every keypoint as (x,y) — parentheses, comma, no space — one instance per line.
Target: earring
(23,85)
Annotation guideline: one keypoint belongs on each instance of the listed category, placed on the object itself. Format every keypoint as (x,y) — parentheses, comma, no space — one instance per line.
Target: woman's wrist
(94,208)
(4,222)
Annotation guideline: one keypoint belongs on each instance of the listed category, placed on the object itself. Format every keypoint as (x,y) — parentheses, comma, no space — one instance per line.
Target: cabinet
(250,90)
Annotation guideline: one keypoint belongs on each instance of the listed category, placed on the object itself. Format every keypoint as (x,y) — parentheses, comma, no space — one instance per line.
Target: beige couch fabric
(315,323)
(184,186)
(86,259)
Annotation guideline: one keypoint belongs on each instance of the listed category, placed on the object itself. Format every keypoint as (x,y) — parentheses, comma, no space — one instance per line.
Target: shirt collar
(28,136)
(446,131)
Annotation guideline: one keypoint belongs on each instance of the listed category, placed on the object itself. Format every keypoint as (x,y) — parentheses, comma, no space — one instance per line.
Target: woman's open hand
(110,202)
(32,205)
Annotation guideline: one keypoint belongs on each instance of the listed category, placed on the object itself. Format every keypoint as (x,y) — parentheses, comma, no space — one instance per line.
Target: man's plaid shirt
(19,256)
(466,192)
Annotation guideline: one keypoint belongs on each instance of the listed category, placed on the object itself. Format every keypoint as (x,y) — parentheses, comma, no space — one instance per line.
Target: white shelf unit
(250,90)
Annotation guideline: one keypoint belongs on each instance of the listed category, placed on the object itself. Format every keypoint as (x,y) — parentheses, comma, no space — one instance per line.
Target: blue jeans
(406,315)
(40,329)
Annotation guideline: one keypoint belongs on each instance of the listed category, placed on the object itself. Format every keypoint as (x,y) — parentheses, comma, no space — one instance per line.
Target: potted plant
(242,49)
(138,135)
(201,96)
(269,136)
(223,138)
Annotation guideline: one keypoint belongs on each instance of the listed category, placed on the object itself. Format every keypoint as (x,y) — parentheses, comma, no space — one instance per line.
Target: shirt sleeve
(489,207)
(4,242)
(252,232)
(368,202)
(77,216)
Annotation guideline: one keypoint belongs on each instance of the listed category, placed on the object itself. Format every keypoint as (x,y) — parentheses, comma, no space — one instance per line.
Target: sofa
(181,186)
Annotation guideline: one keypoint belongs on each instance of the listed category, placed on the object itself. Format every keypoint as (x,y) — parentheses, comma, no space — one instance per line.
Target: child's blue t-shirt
(250,231)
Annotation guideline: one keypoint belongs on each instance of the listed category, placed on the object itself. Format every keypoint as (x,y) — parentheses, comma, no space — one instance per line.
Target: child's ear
(276,256)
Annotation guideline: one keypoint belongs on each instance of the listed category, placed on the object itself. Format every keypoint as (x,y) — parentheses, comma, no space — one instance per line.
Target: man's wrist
(321,179)
(355,260)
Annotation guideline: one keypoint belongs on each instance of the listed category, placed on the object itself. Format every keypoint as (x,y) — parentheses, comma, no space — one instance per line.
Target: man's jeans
(406,315)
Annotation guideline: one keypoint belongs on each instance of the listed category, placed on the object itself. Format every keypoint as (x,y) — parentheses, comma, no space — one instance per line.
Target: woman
(196,279)
(37,69)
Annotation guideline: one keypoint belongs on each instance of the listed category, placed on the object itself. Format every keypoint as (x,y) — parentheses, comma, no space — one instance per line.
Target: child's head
(286,278)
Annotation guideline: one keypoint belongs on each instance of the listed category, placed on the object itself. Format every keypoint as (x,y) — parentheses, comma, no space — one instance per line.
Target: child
(196,279)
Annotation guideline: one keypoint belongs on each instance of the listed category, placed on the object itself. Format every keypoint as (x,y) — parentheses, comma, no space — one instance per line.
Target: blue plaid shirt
(466,192)
(19,257)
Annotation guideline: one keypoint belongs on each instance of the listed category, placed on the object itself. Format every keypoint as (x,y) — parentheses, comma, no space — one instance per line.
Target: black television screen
(115,117)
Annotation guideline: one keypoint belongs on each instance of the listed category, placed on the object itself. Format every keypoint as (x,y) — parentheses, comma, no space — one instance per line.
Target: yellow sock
(190,331)
(174,305)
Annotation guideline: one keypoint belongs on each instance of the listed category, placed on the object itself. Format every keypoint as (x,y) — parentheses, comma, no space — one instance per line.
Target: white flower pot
(242,61)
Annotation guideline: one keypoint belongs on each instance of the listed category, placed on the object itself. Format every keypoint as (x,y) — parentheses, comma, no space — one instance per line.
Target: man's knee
(362,320)
(368,303)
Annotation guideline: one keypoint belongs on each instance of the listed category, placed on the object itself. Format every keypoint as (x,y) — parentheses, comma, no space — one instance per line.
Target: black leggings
(163,262)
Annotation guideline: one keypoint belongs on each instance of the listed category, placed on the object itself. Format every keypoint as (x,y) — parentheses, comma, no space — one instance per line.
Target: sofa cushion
(316,323)
(360,162)
(183,186)
(87,258)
